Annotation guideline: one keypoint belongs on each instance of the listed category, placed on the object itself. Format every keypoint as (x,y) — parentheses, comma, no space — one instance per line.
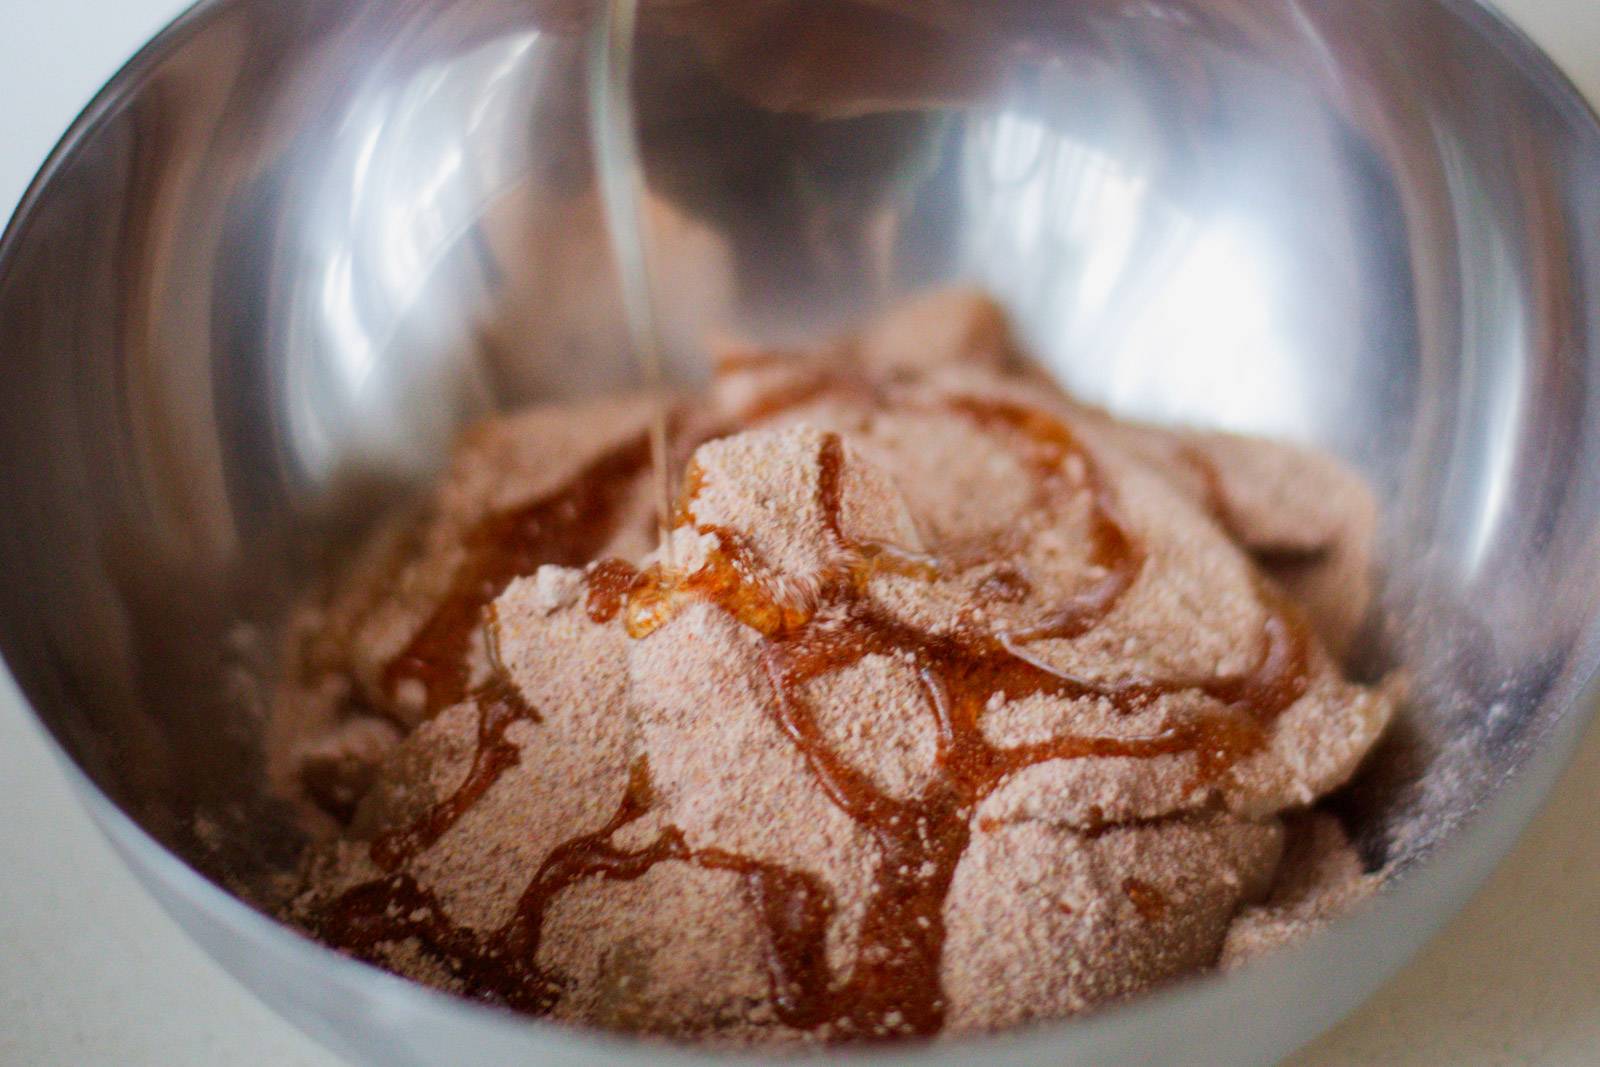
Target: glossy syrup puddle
(894,987)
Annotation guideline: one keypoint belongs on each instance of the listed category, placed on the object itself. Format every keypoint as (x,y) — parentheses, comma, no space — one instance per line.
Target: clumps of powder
(726,774)
(1320,879)
(429,765)
(677,951)
(1305,518)
(1083,879)
(1043,921)
(400,578)
(339,767)
(765,485)
(875,715)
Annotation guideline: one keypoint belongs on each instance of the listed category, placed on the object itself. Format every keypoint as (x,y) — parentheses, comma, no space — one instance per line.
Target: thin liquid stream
(621,177)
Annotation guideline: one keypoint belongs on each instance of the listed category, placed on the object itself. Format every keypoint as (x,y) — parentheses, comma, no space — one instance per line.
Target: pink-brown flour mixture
(963,705)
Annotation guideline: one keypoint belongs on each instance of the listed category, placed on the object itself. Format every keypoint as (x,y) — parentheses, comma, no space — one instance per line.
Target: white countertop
(92,972)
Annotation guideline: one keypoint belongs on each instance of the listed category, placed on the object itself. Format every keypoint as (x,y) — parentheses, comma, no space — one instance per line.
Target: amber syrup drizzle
(894,987)
(567,527)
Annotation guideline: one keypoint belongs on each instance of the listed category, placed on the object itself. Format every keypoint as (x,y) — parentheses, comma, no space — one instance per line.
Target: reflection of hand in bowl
(282,230)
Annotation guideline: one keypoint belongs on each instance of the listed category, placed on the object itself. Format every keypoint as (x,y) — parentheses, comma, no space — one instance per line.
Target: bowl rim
(1480,839)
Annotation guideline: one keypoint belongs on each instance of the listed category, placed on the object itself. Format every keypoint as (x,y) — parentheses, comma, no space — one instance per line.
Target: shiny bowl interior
(295,244)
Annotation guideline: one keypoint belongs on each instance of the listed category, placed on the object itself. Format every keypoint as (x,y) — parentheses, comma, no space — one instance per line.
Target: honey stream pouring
(621,176)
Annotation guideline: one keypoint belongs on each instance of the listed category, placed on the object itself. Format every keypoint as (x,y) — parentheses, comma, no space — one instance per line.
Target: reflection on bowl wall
(295,245)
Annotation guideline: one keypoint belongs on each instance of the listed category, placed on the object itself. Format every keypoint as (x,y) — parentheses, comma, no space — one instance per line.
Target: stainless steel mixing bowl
(296,242)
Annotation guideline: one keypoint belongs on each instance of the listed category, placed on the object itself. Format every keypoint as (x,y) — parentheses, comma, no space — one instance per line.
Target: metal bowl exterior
(293,245)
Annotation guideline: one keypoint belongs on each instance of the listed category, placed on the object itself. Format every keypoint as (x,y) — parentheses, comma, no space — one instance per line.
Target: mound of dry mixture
(958,705)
